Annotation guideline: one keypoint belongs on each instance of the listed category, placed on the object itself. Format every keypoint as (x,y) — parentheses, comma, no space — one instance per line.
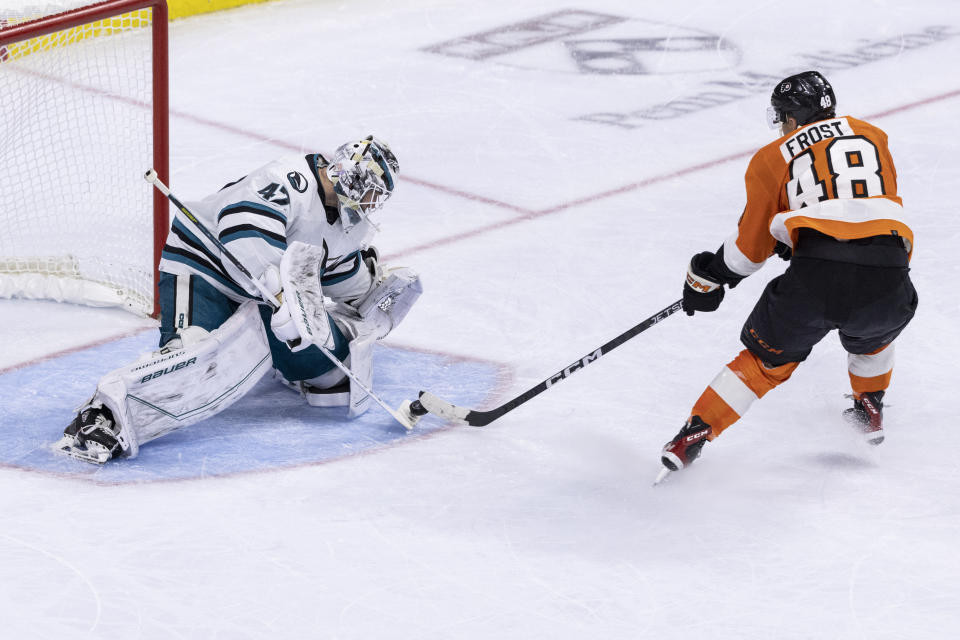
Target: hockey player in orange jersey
(824,196)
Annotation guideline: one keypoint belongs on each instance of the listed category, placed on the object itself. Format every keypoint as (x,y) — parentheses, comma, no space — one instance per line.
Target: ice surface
(267,429)
(541,233)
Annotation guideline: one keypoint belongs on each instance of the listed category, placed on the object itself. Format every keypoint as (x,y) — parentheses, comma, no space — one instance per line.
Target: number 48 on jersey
(847,165)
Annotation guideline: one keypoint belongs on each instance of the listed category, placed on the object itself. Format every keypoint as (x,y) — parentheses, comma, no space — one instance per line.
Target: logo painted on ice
(573,368)
(619,45)
(747,83)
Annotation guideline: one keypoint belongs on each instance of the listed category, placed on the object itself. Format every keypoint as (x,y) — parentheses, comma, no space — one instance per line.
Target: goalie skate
(90,437)
(92,452)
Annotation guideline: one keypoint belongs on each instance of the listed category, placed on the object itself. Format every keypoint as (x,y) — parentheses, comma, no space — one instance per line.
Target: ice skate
(684,448)
(91,437)
(867,415)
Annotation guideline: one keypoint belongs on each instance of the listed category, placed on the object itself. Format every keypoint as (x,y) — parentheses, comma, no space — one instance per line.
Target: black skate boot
(686,445)
(91,437)
(867,415)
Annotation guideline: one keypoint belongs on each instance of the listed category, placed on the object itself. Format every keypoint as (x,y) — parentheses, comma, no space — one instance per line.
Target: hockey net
(83,98)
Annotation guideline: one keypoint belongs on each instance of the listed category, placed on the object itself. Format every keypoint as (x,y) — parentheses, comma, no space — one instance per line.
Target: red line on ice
(83,347)
(526,215)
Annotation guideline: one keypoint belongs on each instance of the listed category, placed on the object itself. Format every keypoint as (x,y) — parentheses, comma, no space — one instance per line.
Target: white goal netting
(76,136)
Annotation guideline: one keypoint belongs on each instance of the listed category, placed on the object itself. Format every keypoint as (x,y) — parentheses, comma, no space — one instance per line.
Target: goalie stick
(440,407)
(405,415)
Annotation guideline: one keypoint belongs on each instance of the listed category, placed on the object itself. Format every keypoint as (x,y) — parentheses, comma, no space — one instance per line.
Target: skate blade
(663,475)
(870,436)
(68,446)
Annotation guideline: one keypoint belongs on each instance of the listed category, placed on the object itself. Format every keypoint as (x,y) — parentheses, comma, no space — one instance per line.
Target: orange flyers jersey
(835,176)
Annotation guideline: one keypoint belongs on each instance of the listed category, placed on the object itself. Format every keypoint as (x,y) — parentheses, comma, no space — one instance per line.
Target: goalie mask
(363,174)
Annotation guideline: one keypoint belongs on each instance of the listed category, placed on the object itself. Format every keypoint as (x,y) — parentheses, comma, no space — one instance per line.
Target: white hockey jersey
(256,217)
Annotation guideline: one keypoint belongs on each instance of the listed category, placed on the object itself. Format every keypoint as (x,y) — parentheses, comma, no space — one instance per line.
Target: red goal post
(84,96)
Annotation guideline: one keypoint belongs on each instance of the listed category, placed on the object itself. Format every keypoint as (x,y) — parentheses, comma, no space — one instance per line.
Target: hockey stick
(442,408)
(151,177)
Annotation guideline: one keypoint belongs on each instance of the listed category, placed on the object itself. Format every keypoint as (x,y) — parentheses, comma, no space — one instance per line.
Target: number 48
(855,172)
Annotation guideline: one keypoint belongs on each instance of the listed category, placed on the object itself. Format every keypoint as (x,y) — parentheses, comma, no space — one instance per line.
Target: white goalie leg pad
(347,393)
(336,397)
(377,314)
(360,359)
(361,364)
(331,389)
(170,389)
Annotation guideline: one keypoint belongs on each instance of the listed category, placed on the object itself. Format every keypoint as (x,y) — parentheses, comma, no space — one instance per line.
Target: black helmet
(806,97)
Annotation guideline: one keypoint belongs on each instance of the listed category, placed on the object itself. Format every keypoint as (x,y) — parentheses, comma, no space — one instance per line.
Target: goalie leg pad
(361,364)
(324,392)
(170,389)
(332,388)
(336,396)
(360,358)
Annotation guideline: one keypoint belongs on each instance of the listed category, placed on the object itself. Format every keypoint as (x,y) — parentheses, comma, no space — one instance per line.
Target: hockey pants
(868,306)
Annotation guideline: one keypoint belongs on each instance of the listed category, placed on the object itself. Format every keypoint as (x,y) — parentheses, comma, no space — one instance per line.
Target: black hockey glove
(701,291)
(783,250)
